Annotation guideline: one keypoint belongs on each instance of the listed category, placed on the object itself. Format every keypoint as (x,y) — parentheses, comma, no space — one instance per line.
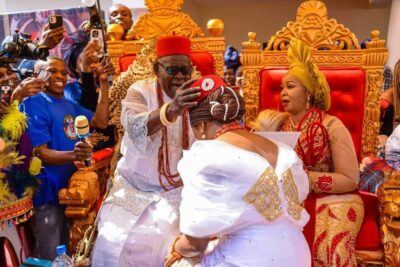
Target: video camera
(21,46)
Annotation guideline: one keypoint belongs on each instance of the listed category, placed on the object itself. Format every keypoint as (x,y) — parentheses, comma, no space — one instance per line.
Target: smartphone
(55,21)
(5,93)
(96,36)
(43,75)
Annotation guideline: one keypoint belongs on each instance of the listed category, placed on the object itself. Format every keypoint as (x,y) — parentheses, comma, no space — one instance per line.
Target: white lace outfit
(139,219)
(253,209)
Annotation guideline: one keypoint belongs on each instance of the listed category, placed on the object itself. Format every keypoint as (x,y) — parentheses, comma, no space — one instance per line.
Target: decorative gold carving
(165,18)
(371,112)
(215,27)
(81,194)
(264,195)
(78,229)
(365,257)
(291,195)
(251,59)
(314,28)
(389,198)
(115,32)
(251,83)
(80,198)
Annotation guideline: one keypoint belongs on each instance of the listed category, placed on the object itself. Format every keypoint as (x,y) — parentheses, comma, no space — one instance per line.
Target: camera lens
(31,50)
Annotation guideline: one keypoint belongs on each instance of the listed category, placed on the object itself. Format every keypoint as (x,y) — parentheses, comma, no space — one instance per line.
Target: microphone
(82,130)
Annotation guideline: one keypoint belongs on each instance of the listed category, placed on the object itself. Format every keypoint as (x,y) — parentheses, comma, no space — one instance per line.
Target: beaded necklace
(228,127)
(163,154)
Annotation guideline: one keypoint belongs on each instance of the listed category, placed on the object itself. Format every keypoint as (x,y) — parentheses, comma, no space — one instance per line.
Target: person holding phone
(81,58)
(53,32)
(51,129)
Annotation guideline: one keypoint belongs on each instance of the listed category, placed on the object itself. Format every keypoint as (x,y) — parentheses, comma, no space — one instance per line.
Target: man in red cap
(140,217)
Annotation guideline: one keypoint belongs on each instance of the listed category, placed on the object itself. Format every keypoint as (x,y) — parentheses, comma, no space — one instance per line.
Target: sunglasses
(172,71)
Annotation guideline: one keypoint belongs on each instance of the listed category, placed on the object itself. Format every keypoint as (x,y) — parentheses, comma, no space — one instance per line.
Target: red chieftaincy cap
(173,45)
(207,85)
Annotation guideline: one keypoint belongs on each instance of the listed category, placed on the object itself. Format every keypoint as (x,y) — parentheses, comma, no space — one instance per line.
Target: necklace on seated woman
(235,125)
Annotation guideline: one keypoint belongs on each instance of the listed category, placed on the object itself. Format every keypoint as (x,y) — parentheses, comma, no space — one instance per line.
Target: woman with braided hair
(327,151)
(240,187)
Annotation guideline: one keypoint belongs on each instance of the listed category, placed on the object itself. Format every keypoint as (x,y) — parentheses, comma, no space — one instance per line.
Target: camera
(20,45)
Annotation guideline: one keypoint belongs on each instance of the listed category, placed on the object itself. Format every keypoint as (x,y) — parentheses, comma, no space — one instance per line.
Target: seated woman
(239,187)
(329,158)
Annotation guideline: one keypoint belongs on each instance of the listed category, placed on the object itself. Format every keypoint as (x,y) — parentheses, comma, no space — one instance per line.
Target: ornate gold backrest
(165,18)
(333,45)
(389,198)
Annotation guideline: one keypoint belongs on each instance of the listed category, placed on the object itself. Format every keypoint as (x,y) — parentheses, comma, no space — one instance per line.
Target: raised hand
(89,56)
(28,87)
(184,98)
(104,69)
(52,37)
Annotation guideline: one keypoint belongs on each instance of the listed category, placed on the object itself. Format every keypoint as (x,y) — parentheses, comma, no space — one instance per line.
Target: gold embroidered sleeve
(291,195)
(264,195)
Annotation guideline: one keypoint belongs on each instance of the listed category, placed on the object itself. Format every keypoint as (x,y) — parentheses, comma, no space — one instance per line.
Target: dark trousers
(50,228)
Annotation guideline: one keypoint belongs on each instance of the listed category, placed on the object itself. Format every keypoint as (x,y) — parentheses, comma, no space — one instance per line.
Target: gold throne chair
(355,77)
(133,60)
(163,18)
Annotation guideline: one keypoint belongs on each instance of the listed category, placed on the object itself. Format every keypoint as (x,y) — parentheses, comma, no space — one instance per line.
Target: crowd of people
(194,187)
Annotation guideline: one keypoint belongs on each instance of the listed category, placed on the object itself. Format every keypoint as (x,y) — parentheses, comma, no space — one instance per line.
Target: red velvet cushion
(103,154)
(203,60)
(368,237)
(125,61)
(347,96)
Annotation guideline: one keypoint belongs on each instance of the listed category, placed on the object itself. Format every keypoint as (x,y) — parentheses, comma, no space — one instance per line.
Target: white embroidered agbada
(139,219)
(253,209)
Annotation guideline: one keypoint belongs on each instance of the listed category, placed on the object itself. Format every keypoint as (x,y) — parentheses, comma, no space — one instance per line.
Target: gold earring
(308,103)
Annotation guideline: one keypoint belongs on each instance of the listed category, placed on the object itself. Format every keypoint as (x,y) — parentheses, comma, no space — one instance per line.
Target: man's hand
(104,69)
(184,98)
(28,87)
(82,151)
(89,56)
(52,37)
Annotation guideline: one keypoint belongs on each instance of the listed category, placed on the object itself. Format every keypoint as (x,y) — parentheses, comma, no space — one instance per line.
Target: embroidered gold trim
(264,195)
(291,195)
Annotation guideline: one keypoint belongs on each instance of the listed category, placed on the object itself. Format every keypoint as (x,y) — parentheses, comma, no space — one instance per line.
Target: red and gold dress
(328,155)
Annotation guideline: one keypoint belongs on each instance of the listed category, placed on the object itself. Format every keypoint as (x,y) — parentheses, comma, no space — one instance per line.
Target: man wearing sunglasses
(137,227)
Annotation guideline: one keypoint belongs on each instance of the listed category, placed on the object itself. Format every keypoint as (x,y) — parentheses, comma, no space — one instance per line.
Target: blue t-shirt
(51,122)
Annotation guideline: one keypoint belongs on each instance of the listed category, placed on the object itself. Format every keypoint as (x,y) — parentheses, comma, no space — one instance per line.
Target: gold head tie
(301,66)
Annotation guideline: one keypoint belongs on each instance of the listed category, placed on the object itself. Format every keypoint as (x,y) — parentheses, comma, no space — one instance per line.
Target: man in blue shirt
(51,128)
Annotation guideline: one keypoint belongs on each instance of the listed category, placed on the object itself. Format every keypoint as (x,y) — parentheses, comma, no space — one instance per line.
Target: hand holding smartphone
(97,37)
(55,21)
(43,75)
